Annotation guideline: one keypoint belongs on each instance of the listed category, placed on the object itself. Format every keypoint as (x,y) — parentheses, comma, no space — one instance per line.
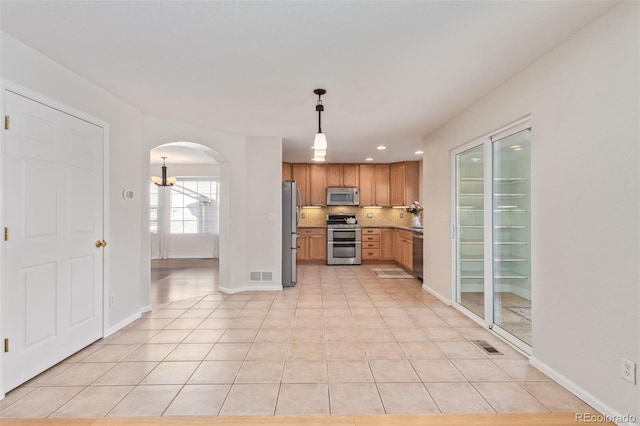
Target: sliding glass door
(469,232)
(511,235)
(491,232)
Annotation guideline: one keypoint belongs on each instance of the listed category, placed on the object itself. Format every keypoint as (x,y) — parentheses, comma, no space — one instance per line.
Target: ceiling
(393,71)
(181,153)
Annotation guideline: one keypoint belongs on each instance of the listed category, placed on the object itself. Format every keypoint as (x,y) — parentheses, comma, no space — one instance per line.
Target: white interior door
(52,284)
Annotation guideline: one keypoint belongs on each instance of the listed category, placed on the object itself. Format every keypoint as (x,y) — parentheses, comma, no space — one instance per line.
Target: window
(191,205)
(194,206)
(153,208)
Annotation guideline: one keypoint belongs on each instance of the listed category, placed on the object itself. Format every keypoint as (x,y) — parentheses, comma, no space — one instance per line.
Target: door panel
(52,288)
(82,295)
(39,284)
(469,225)
(511,235)
(40,203)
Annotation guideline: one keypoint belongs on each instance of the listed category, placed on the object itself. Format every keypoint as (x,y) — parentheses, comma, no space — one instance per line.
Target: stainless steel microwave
(339,196)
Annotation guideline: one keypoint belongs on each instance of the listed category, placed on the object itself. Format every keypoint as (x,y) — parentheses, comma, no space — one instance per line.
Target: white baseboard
(609,413)
(437,295)
(226,290)
(266,287)
(145,309)
(123,323)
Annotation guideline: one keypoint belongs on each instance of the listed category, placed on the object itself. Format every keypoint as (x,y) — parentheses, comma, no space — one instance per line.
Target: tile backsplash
(381,217)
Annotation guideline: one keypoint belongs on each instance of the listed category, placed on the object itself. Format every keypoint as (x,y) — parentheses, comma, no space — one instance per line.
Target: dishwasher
(417,256)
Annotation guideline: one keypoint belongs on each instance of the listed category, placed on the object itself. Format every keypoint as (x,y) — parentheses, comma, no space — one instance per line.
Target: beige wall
(584,101)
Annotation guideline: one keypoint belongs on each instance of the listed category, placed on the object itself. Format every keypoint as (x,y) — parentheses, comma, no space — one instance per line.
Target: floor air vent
(486,346)
(261,276)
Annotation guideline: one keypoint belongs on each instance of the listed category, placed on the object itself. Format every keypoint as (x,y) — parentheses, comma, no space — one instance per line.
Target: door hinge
(6,233)
(6,122)
(6,345)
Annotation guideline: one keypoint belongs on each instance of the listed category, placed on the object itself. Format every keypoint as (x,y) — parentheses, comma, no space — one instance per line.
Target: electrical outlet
(303,215)
(629,370)
(112,300)
(369,215)
(401,215)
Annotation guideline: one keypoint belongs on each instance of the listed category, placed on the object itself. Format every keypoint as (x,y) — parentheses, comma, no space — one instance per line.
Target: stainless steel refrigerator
(290,220)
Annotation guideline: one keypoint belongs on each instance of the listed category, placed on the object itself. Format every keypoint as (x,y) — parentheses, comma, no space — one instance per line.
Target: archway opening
(184,221)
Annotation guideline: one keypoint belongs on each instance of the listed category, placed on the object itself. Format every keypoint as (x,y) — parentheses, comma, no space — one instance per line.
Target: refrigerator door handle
(298,206)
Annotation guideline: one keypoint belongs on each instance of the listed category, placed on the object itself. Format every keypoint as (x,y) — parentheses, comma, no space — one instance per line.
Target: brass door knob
(101,243)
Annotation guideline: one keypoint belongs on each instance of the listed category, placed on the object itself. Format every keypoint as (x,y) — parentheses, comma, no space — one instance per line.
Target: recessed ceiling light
(381,147)
(418,152)
(368,159)
(475,159)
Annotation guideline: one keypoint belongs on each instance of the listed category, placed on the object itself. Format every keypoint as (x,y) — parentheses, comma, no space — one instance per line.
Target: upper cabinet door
(382,185)
(350,175)
(334,174)
(374,185)
(317,185)
(300,173)
(404,184)
(366,185)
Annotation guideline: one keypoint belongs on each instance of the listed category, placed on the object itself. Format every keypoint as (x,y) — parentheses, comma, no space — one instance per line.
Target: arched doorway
(184,216)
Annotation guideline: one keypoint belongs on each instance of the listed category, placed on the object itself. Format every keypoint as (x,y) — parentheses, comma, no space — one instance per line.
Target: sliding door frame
(487,142)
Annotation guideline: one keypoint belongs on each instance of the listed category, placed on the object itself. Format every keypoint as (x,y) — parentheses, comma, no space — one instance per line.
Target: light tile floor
(341,342)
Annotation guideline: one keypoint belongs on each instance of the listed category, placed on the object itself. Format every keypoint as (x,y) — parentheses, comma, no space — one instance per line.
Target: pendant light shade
(164,180)
(320,140)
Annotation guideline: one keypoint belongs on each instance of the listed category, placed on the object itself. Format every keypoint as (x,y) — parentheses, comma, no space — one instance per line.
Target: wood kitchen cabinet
(300,173)
(317,185)
(374,185)
(405,249)
(370,243)
(312,243)
(311,183)
(343,175)
(351,175)
(404,183)
(386,243)
(382,185)
(286,171)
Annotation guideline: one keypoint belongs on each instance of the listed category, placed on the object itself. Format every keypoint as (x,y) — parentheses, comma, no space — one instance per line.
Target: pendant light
(320,140)
(164,180)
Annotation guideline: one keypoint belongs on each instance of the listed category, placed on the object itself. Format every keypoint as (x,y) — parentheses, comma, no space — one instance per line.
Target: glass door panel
(512,235)
(469,230)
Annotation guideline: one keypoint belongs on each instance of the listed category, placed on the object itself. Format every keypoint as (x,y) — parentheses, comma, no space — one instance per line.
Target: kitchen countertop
(406,228)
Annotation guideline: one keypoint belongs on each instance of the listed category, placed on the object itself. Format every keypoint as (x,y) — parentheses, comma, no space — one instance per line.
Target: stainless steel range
(344,240)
